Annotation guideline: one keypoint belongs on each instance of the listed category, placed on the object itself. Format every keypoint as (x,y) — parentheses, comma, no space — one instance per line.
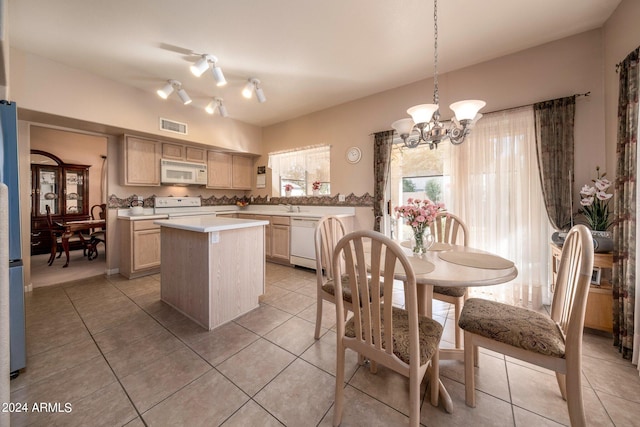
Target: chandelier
(425,118)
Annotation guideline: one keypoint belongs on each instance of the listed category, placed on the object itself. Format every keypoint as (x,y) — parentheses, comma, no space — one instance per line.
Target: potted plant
(287,189)
(315,186)
(595,204)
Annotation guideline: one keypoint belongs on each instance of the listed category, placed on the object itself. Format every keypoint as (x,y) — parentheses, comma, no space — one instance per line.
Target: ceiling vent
(173,126)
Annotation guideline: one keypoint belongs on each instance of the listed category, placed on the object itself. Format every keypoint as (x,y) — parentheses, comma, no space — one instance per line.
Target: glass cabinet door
(74,191)
(47,193)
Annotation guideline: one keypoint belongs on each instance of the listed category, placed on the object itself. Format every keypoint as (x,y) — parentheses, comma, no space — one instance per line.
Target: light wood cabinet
(139,247)
(241,169)
(229,171)
(141,161)
(196,155)
(599,312)
(280,237)
(183,152)
(218,170)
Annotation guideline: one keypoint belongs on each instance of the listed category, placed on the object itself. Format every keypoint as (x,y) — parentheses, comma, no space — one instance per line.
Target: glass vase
(422,240)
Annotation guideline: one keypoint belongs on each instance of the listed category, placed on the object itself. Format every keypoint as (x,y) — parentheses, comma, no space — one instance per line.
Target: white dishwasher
(302,248)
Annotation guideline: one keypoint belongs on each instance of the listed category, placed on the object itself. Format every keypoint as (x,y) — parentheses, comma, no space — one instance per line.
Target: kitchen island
(212,269)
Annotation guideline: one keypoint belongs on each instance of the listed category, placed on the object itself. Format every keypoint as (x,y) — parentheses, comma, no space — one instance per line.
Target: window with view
(298,170)
(416,173)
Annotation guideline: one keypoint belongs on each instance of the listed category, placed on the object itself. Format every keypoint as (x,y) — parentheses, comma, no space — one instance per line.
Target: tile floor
(119,356)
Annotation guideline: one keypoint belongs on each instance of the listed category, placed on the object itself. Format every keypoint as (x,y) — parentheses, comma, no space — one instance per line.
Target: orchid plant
(595,202)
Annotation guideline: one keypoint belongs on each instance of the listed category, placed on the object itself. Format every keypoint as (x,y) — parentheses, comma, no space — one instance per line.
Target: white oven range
(177,207)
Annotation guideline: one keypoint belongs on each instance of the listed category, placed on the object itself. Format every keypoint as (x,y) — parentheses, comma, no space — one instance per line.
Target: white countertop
(305,212)
(208,224)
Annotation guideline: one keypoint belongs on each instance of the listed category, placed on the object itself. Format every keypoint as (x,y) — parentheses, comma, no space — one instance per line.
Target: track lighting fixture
(170,87)
(202,65)
(252,86)
(217,103)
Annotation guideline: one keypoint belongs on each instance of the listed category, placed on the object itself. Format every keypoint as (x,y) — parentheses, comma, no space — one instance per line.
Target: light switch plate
(214,237)
(342,197)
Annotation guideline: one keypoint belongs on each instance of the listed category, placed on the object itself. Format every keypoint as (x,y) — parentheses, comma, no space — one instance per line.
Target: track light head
(166,90)
(218,76)
(211,107)
(221,108)
(217,103)
(247,92)
(260,95)
(200,66)
(186,100)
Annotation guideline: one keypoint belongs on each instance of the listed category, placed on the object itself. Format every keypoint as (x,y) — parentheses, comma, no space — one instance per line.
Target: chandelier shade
(425,118)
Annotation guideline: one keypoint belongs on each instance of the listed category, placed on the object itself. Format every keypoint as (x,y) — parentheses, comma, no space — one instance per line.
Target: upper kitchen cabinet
(229,171)
(141,161)
(61,186)
(183,152)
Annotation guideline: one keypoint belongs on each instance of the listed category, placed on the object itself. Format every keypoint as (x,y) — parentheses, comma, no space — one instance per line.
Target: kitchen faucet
(288,207)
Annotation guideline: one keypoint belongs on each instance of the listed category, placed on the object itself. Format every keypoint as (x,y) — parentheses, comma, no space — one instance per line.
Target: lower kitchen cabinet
(276,236)
(139,247)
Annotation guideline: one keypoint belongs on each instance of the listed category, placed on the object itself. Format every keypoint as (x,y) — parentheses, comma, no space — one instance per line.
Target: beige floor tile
(524,418)
(292,282)
(224,342)
(163,313)
(272,293)
(138,286)
(490,377)
(623,412)
(111,315)
(300,396)
(310,289)
(292,303)
(294,335)
(618,379)
(328,315)
(363,410)
(254,366)
(47,336)
(137,326)
(489,411)
(163,377)
(263,319)
(207,401)
(68,386)
(137,354)
(108,406)
(136,422)
(252,414)
(385,385)
(188,331)
(323,355)
(97,290)
(49,363)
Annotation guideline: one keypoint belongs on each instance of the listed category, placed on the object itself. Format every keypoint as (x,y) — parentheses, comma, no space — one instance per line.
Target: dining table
(444,264)
(69,228)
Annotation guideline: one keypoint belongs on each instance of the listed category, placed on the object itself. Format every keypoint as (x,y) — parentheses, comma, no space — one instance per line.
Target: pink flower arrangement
(288,187)
(419,213)
(315,185)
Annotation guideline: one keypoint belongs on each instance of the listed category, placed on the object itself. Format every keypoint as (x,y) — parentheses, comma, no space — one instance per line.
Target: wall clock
(353,155)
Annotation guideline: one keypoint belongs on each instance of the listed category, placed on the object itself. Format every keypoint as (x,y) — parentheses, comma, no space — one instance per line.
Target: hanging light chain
(436,95)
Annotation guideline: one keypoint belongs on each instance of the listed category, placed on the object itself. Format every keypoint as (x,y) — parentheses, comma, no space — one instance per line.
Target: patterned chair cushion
(516,326)
(329,288)
(430,332)
(451,291)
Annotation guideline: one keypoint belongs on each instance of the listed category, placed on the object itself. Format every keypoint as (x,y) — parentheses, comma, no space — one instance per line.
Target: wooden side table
(599,313)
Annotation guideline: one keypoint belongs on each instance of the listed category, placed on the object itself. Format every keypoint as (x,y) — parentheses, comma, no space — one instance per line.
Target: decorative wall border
(351,200)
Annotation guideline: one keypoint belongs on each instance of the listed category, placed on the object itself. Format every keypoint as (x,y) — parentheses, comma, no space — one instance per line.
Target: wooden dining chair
(98,234)
(330,229)
(553,342)
(448,228)
(56,231)
(397,338)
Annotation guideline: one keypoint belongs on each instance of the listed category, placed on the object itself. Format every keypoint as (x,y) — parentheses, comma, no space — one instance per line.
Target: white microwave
(175,172)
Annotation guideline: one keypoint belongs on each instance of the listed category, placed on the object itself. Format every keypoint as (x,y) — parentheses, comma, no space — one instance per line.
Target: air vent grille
(173,126)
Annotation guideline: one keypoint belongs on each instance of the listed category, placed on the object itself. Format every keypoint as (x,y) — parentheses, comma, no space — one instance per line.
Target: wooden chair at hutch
(98,234)
(56,232)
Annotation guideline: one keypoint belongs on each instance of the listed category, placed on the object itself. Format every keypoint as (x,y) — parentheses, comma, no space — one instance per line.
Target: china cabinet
(61,186)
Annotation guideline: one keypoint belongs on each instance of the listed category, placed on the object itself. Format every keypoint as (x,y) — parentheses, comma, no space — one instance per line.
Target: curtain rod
(575,95)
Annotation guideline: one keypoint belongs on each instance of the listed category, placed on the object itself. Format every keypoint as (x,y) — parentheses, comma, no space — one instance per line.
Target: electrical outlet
(251,199)
(268,198)
(342,197)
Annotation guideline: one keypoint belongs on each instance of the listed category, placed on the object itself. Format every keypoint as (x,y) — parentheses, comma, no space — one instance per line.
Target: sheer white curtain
(495,188)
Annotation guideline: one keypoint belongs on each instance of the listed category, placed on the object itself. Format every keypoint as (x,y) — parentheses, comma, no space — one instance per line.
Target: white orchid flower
(602,184)
(587,201)
(588,191)
(603,196)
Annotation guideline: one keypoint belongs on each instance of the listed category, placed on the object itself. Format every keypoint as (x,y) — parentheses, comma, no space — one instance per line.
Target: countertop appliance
(9,175)
(176,207)
(175,172)
(302,246)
